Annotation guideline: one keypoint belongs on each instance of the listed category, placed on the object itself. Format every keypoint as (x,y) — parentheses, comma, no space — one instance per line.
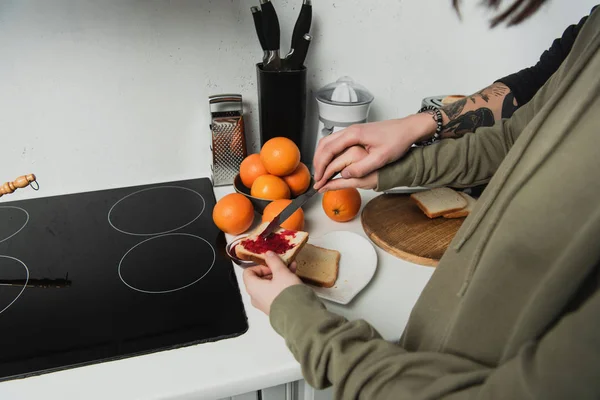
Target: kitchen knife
(258,24)
(290,209)
(296,59)
(272,35)
(302,24)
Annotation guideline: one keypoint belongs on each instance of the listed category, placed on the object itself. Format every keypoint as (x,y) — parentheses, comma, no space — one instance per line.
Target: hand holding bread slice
(444,202)
(315,265)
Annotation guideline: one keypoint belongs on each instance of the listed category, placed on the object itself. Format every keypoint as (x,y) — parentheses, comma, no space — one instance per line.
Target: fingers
(372,162)
(293,266)
(333,145)
(275,263)
(252,274)
(348,157)
(368,182)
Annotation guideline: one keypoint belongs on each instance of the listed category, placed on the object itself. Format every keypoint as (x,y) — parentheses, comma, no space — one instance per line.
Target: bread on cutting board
(439,201)
(318,266)
(254,248)
(465,211)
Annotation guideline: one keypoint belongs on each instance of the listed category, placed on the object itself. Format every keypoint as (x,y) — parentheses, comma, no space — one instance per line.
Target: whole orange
(280,156)
(299,180)
(250,169)
(233,214)
(295,222)
(270,187)
(341,205)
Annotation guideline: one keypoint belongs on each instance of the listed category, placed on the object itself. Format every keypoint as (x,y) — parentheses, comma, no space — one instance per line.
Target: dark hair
(518,11)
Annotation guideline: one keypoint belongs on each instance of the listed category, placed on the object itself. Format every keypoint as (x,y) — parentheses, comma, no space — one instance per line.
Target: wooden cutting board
(398,226)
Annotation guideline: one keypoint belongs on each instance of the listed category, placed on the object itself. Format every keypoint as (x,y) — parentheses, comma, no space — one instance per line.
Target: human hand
(384,141)
(349,157)
(265,283)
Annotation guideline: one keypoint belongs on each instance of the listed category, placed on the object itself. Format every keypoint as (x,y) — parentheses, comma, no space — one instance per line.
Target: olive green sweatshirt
(513,309)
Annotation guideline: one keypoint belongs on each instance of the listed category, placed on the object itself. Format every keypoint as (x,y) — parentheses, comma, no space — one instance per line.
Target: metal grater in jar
(228,137)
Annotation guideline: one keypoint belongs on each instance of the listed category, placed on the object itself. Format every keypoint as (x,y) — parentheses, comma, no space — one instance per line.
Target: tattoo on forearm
(481,94)
(509,105)
(453,110)
(469,122)
(460,124)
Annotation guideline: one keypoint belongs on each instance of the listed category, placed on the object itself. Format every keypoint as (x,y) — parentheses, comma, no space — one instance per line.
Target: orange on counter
(341,205)
(295,222)
(233,214)
(280,156)
(250,169)
(270,187)
(299,180)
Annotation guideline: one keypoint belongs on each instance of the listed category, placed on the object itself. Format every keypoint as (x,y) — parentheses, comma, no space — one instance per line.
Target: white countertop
(255,360)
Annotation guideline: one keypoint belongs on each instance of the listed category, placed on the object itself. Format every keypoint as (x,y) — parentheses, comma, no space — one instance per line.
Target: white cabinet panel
(277,393)
(307,392)
(245,396)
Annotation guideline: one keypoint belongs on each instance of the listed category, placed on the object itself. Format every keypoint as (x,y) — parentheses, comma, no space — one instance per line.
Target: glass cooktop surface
(103,275)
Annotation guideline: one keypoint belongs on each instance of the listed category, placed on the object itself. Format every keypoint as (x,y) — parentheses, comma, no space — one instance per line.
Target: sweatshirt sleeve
(467,161)
(464,162)
(353,357)
(525,83)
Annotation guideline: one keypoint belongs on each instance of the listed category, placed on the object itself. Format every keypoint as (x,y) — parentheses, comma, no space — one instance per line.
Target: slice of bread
(439,201)
(465,211)
(318,266)
(298,240)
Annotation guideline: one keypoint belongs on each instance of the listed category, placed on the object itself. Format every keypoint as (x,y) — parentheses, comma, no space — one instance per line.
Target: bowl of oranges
(276,173)
(268,182)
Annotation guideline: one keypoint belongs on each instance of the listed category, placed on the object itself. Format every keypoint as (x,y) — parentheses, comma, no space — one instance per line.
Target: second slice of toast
(465,211)
(437,202)
(318,266)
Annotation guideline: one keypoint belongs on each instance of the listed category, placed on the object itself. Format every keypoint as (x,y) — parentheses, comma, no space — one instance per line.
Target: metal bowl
(259,204)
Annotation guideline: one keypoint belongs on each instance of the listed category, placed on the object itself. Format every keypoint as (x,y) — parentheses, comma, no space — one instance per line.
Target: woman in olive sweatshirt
(513,309)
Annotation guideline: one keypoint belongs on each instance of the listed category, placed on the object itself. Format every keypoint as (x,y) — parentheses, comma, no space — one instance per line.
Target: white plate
(358,263)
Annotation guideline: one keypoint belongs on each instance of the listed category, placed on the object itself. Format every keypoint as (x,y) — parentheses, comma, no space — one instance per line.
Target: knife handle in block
(20,182)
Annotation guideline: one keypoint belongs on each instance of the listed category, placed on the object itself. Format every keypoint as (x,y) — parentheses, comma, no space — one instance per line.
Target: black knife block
(282,104)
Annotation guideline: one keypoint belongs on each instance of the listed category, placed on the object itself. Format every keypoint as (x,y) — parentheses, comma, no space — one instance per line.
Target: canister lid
(344,92)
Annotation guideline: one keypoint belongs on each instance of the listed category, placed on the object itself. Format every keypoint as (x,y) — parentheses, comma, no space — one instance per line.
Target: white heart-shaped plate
(358,262)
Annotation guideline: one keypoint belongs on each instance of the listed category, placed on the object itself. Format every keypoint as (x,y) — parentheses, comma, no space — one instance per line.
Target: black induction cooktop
(98,276)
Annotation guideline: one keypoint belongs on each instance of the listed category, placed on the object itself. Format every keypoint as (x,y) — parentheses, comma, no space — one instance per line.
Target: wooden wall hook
(20,182)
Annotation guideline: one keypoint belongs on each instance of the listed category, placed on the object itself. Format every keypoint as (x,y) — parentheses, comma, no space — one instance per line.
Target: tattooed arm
(483,108)
(500,100)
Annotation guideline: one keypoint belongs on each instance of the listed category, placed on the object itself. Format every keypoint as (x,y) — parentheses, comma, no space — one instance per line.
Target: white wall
(104,93)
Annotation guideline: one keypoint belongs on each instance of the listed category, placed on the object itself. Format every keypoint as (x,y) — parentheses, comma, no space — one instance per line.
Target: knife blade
(302,24)
(288,211)
(291,208)
(272,34)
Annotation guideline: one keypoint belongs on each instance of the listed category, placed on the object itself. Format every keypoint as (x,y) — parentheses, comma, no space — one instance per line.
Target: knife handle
(270,25)
(296,59)
(258,24)
(20,182)
(302,23)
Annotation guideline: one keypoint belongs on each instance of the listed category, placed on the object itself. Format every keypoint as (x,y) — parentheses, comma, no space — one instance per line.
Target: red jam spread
(275,242)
